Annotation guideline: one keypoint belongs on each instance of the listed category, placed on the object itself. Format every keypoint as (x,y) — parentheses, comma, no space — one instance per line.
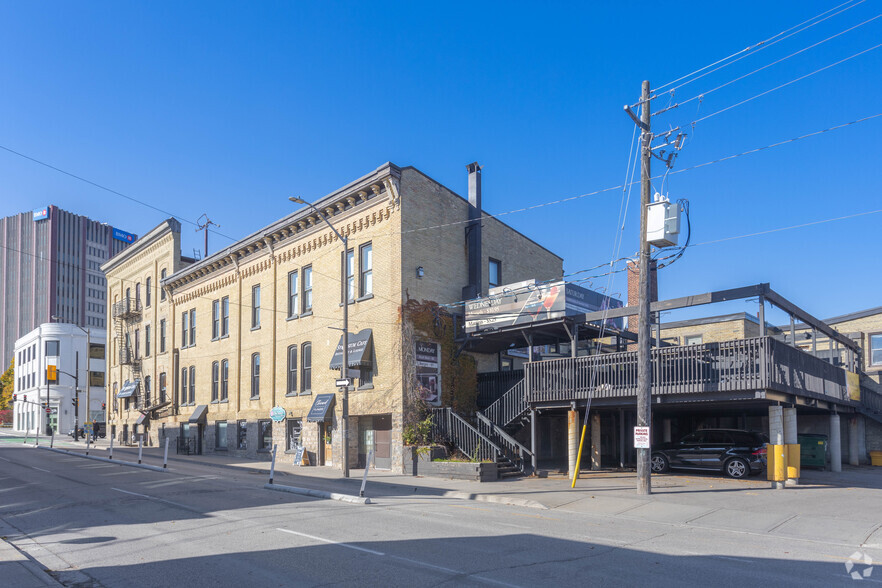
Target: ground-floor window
(293,433)
(221,435)
(241,434)
(264,434)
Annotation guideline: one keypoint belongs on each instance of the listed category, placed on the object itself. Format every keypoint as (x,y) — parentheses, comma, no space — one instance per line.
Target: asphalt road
(98,524)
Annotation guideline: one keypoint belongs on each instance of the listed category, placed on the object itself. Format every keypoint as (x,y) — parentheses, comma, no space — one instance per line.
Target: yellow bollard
(776,460)
(793,465)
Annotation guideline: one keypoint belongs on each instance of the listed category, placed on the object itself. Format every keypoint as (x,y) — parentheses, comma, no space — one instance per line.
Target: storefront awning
(360,350)
(321,410)
(129,389)
(141,419)
(199,414)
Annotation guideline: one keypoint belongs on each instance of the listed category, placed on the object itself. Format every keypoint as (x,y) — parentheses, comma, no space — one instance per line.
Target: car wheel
(658,463)
(737,468)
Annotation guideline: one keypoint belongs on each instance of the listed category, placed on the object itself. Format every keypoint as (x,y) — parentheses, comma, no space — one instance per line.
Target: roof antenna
(203,226)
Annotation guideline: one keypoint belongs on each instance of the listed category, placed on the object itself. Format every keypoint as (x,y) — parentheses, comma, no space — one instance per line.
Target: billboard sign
(41,214)
(121,235)
(531,303)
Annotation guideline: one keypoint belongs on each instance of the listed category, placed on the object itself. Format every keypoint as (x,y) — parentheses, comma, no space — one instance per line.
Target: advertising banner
(428,370)
(41,214)
(121,235)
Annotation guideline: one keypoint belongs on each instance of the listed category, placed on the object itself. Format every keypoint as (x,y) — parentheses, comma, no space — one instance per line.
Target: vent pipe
(473,234)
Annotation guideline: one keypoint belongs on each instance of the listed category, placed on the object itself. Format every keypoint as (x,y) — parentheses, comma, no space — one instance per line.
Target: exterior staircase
(449,426)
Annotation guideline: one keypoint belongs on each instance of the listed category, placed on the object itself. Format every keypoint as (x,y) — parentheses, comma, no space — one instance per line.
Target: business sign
(530,302)
(428,372)
(121,235)
(277,414)
(41,214)
(641,437)
(360,347)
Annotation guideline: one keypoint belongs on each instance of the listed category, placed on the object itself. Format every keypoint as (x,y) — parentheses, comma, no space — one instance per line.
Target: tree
(7,384)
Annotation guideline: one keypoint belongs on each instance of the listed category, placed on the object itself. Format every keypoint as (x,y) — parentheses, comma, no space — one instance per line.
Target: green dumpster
(812,450)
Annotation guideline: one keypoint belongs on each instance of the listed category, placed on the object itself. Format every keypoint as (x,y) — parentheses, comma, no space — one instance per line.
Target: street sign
(641,437)
(340,382)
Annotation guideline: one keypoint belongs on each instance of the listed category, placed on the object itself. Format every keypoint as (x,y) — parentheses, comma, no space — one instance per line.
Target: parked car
(733,452)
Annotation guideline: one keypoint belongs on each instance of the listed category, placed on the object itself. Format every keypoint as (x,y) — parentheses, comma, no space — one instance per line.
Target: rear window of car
(717,437)
(750,439)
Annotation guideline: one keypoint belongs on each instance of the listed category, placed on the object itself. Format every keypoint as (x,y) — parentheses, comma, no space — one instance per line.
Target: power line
(759,46)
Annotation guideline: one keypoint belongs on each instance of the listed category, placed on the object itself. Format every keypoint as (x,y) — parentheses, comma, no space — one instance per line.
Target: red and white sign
(641,437)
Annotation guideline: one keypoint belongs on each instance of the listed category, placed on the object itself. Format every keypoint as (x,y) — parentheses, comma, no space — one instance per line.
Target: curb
(108,460)
(495,499)
(318,494)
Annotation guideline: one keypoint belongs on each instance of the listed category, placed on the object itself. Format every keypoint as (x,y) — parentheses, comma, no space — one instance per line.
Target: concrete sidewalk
(843,508)
(17,569)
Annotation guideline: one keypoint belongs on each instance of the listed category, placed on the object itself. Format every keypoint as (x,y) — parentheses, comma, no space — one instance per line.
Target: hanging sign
(277,414)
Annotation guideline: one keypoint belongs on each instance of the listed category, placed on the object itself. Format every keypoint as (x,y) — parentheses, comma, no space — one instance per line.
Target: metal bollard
(273,464)
(367,466)
(139,449)
(111,447)
(52,440)
(165,456)
(88,437)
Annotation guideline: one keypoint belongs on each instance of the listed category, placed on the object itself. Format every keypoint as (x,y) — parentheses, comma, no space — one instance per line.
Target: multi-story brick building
(203,351)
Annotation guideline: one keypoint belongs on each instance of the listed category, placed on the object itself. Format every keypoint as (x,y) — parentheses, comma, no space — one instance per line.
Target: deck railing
(492,385)
(738,365)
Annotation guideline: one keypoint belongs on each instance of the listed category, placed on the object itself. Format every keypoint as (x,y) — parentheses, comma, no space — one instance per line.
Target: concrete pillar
(835,444)
(790,437)
(666,430)
(595,441)
(776,433)
(572,440)
(853,451)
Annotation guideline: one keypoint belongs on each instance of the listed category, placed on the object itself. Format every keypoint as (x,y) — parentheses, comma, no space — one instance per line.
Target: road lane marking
(155,498)
(4,459)
(400,558)
(41,469)
(314,538)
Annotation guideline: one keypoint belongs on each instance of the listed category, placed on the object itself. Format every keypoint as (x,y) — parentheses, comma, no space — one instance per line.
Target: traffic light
(103,406)
(14,397)
(74,402)
(51,373)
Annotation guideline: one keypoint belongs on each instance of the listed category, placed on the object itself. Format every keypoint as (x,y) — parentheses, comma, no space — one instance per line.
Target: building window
(192,326)
(241,434)
(162,275)
(255,306)
(185,328)
(225,316)
(215,380)
(162,336)
(349,268)
(692,340)
(146,391)
(147,340)
(255,375)
(292,370)
(162,383)
(494,276)
(264,434)
(138,295)
(225,380)
(148,285)
(366,377)
(215,319)
(292,433)
(192,384)
(306,368)
(307,289)
(876,350)
(293,292)
(183,392)
(366,278)
(220,435)
(51,348)
(115,399)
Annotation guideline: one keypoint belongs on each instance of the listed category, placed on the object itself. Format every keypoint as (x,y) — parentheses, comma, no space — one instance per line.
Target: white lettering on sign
(641,437)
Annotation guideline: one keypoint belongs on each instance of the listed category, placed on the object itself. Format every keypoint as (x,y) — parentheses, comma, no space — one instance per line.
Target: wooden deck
(759,363)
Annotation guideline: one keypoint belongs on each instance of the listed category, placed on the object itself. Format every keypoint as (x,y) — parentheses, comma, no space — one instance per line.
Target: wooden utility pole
(644,383)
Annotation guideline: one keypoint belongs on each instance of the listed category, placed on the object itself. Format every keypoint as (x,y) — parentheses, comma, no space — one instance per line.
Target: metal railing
(493,385)
(510,407)
(449,426)
(127,308)
(127,355)
(515,452)
(737,365)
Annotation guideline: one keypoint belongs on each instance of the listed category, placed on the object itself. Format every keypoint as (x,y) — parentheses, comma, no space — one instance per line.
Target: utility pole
(203,226)
(644,383)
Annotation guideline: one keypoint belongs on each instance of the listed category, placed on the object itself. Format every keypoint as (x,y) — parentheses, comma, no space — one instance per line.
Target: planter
(420,462)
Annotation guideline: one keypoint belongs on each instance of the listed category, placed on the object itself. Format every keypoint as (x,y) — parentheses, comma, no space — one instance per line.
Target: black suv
(733,452)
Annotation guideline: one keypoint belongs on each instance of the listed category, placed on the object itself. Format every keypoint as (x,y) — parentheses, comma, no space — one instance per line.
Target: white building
(60,345)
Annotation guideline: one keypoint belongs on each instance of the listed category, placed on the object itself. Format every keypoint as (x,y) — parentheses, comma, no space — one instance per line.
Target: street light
(344,368)
(77,379)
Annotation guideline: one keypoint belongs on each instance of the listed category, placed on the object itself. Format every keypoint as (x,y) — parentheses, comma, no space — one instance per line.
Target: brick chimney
(634,283)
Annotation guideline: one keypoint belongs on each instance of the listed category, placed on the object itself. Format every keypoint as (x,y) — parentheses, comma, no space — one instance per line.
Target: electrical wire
(759,46)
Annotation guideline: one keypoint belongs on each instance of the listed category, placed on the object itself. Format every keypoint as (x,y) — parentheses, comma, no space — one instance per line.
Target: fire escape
(126,315)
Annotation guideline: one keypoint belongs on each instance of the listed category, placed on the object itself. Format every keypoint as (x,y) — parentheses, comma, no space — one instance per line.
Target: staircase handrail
(508,407)
(469,440)
(511,448)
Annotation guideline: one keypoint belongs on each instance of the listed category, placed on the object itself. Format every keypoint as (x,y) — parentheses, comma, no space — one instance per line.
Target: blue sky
(228,108)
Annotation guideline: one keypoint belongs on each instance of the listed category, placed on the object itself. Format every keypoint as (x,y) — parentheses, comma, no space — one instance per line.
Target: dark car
(733,452)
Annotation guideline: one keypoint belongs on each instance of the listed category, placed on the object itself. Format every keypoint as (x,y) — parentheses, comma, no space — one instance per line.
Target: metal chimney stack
(473,234)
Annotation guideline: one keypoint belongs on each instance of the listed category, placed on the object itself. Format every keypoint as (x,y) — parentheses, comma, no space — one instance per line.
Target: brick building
(202,351)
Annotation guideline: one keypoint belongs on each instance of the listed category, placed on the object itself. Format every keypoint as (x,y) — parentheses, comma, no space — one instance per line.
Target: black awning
(199,414)
(360,350)
(141,419)
(128,389)
(321,410)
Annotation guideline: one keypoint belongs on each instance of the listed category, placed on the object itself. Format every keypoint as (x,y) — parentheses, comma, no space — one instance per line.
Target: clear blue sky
(228,108)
